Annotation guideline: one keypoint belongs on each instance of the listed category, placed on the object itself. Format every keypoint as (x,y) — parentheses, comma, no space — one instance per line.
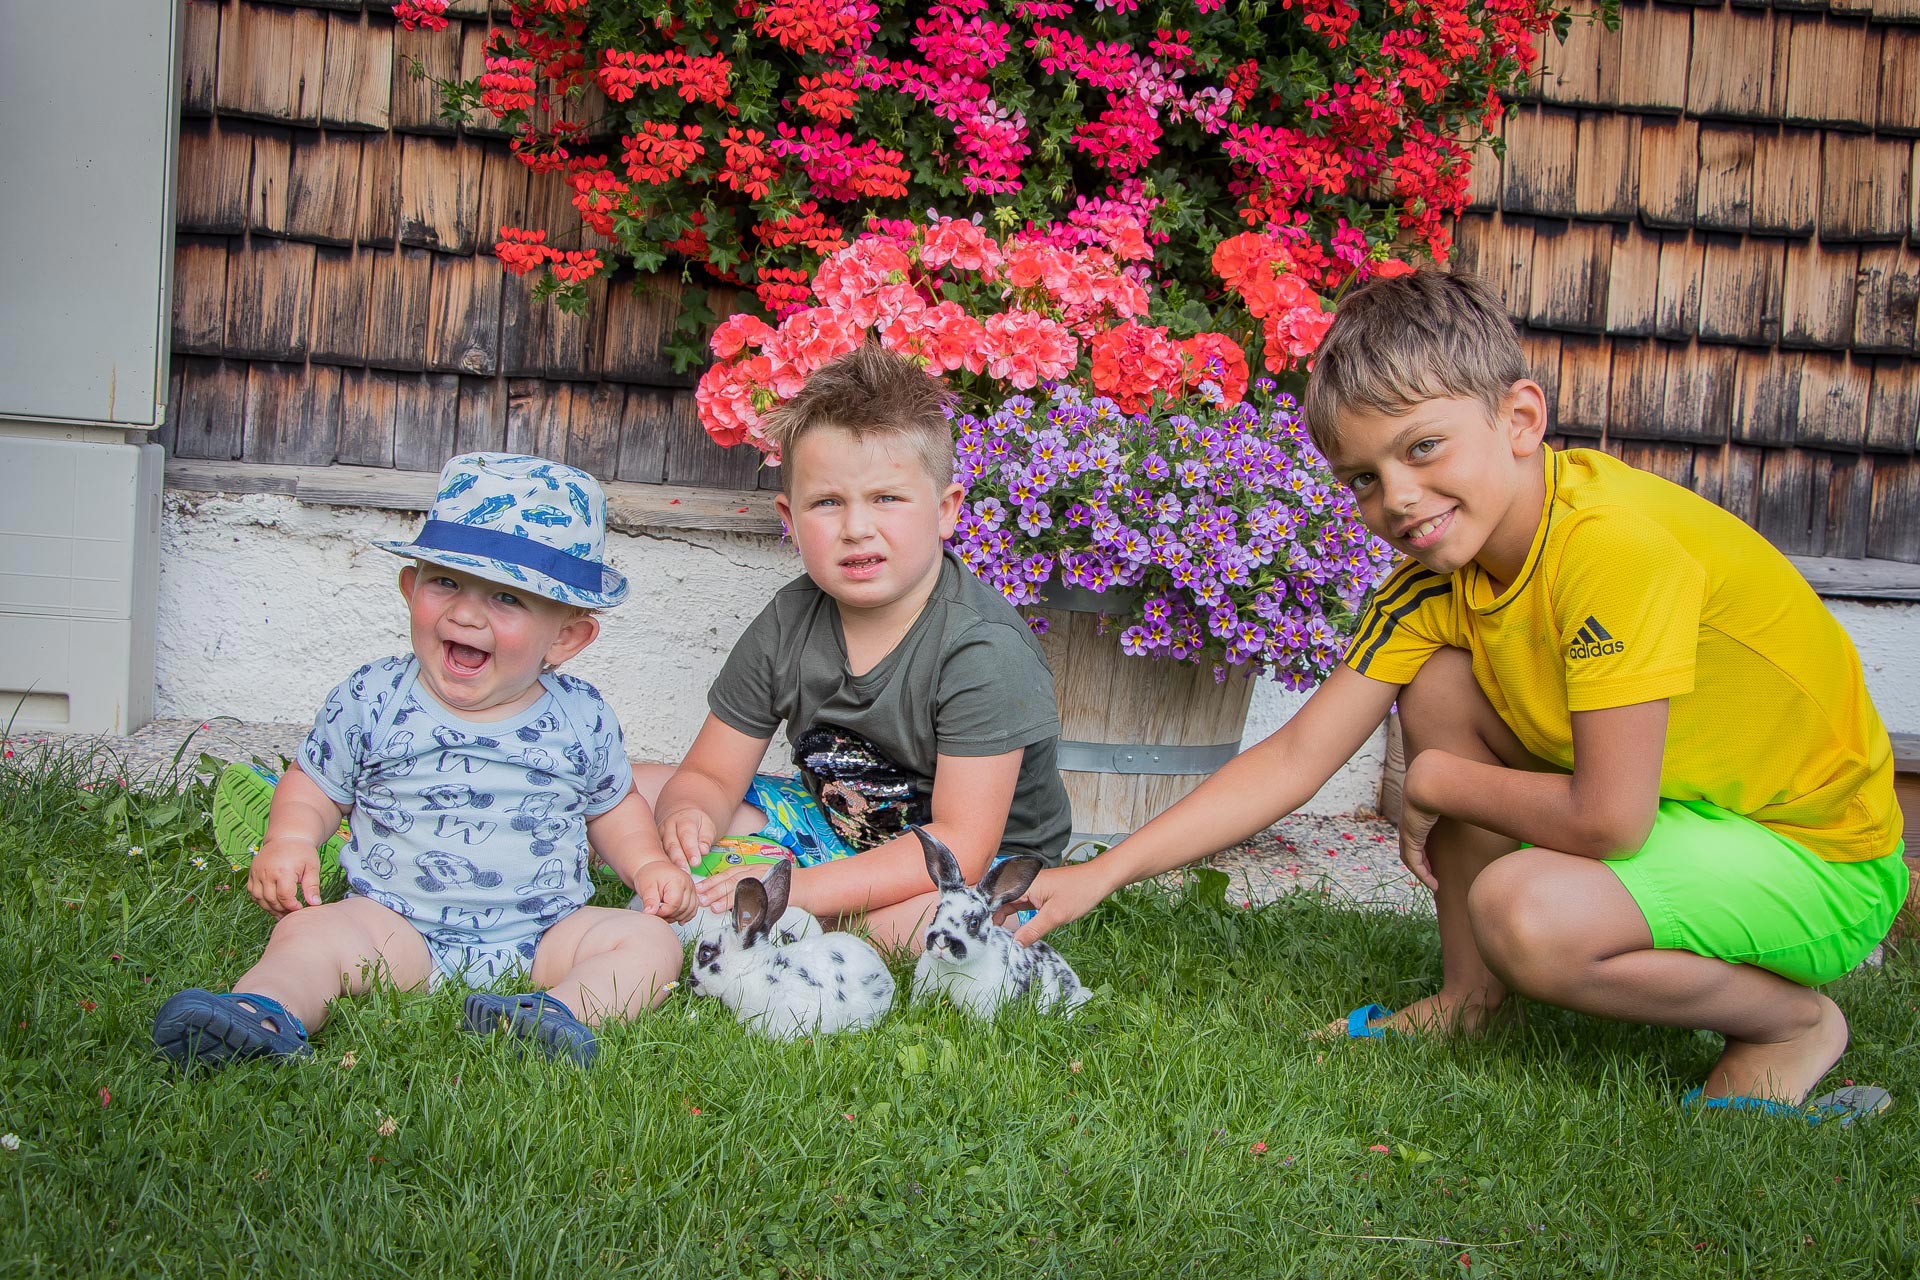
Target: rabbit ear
(1009,879)
(779,883)
(751,918)
(942,867)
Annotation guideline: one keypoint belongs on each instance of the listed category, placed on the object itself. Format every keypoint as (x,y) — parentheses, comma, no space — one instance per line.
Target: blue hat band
(491,544)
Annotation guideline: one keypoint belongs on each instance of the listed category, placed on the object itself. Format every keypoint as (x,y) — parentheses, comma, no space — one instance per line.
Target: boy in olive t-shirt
(913,694)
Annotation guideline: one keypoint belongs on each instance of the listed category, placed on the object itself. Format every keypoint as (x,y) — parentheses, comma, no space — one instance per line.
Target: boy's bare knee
(1514,922)
(1436,709)
(1444,707)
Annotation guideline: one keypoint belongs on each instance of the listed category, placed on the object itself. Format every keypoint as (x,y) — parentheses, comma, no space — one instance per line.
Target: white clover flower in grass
(134,851)
(11,1141)
(199,864)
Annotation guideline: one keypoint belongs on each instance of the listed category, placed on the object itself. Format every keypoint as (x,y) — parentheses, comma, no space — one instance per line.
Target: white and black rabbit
(975,962)
(794,925)
(829,982)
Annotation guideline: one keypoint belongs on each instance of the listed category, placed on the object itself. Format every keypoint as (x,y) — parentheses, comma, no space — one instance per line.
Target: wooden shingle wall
(335,297)
(1707,225)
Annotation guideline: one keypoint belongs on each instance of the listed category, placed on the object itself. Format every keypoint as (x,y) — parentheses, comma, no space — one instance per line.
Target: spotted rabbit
(975,962)
(829,982)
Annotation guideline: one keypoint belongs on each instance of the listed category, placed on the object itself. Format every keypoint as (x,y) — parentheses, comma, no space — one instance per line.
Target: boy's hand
(1060,895)
(686,834)
(285,868)
(1416,821)
(716,891)
(1415,824)
(665,890)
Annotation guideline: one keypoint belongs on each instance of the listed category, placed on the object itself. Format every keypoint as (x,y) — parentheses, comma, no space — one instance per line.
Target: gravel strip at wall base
(1355,858)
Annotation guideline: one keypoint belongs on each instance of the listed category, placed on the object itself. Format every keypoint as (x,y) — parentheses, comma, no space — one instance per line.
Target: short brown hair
(871,392)
(1403,340)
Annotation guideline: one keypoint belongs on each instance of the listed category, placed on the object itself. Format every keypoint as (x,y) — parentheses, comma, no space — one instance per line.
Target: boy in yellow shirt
(1645,779)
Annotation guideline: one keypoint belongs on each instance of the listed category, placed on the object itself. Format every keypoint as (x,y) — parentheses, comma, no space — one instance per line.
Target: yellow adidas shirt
(1636,589)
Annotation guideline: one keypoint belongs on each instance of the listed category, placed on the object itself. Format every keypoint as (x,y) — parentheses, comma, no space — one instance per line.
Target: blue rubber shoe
(1842,1106)
(1361,1023)
(200,1026)
(535,1016)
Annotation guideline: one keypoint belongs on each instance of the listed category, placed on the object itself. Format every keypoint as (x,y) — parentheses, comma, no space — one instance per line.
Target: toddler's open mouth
(464,659)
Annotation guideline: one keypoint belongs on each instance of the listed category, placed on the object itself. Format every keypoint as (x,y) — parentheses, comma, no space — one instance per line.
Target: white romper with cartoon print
(475,832)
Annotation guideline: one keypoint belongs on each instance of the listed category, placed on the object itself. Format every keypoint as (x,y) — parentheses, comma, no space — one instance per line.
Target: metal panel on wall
(88,88)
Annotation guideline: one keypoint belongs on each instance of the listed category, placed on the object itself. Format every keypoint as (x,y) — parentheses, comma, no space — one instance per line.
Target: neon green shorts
(1716,883)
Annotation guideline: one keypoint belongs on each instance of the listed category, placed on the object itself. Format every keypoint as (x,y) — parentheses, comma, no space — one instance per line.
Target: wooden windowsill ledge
(631,508)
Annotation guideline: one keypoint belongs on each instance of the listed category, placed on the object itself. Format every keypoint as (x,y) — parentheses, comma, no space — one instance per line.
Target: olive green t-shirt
(968,679)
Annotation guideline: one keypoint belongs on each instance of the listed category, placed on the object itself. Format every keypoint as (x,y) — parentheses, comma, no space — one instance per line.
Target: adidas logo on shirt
(1593,641)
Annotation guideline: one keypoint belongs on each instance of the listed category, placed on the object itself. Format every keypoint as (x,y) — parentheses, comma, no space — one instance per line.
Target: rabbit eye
(706,954)
(975,920)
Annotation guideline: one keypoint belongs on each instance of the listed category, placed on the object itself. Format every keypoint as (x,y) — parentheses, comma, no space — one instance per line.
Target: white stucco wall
(265,603)
(1888,638)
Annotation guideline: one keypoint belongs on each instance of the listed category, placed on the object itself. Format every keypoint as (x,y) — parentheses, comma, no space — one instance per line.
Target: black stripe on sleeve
(1393,619)
(1403,580)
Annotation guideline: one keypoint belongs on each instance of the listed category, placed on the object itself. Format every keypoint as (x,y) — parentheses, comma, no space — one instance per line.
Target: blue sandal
(1842,1106)
(1360,1023)
(534,1016)
(197,1025)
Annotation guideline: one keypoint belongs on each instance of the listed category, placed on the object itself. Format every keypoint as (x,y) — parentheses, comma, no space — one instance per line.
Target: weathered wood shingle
(271,60)
(359,72)
(1833,71)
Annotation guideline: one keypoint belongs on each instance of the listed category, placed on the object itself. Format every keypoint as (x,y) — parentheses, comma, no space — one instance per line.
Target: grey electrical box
(87,201)
(85,312)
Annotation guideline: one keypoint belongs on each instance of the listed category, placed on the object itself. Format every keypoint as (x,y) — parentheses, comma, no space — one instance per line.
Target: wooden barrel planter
(1136,734)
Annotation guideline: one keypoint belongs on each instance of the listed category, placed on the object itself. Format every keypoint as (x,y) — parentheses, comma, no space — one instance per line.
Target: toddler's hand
(285,868)
(686,834)
(665,890)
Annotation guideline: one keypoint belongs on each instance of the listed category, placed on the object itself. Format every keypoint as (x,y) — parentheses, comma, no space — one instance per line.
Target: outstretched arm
(1249,793)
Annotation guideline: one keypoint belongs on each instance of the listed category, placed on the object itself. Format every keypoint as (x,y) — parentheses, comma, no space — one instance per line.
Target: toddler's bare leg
(649,778)
(1563,929)
(317,953)
(602,963)
(1445,708)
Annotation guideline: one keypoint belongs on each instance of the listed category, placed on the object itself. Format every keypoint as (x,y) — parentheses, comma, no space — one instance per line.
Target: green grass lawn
(1182,1124)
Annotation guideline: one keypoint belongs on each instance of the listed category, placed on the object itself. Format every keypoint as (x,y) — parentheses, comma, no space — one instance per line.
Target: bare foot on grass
(1785,1070)
(1440,1014)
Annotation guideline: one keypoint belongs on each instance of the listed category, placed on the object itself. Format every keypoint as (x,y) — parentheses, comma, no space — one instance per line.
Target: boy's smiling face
(1444,484)
(482,644)
(868,520)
